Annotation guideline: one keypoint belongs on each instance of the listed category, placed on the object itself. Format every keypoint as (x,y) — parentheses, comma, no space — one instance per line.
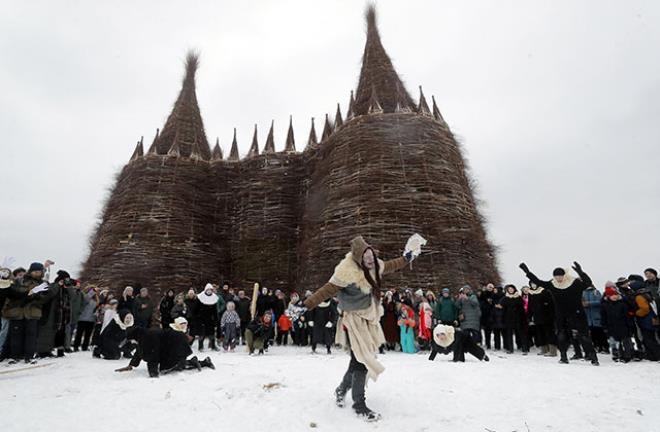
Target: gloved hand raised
(577,267)
(524,267)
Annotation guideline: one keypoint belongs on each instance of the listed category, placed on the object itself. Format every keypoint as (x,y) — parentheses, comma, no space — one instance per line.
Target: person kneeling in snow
(447,339)
(164,350)
(258,333)
(112,340)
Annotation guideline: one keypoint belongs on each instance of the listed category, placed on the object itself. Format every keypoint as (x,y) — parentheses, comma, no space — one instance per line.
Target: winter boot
(60,352)
(344,387)
(212,344)
(544,350)
(615,355)
(194,363)
(261,352)
(207,363)
(563,358)
(357,392)
(552,351)
(485,358)
(328,349)
(594,359)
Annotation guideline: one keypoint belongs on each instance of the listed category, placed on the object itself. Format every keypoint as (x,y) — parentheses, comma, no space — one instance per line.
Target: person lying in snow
(447,339)
(356,282)
(164,350)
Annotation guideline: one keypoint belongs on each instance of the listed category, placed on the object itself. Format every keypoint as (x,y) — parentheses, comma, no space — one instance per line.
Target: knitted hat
(35,266)
(558,272)
(622,281)
(445,290)
(652,270)
(179,324)
(419,293)
(610,291)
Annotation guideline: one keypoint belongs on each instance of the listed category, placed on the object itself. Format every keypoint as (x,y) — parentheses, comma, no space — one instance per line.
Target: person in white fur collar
(447,339)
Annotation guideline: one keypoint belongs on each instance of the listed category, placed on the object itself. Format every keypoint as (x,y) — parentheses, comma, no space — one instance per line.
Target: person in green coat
(446,311)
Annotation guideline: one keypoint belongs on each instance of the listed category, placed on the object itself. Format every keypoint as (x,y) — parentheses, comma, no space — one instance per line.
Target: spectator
(230,323)
(591,300)
(486,306)
(243,309)
(389,321)
(406,324)
(324,316)
(542,314)
(206,317)
(127,301)
(497,319)
(446,310)
(283,328)
(614,314)
(514,317)
(165,308)
(180,309)
(145,309)
(469,313)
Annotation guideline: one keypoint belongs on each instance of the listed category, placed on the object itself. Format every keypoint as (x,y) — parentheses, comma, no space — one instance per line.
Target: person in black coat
(570,316)
(324,317)
(447,339)
(497,318)
(243,310)
(165,308)
(206,317)
(486,305)
(614,318)
(514,319)
(258,333)
(112,339)
(164,350)
(542,314)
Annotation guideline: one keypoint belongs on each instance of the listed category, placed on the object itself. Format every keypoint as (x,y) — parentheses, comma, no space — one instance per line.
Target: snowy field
(290,390)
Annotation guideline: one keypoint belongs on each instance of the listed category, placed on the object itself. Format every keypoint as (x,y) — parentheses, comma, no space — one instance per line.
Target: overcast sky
(557,104)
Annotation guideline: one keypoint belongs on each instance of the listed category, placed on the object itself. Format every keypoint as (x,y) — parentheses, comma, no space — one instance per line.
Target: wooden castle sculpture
(180,214)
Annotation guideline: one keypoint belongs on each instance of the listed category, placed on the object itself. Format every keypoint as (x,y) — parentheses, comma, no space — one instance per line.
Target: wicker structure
(181,215)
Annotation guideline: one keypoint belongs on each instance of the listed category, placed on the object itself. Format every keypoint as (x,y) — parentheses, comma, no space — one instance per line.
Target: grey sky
(557,104)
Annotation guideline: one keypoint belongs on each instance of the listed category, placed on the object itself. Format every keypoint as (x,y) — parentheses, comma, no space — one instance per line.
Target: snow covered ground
(510,393)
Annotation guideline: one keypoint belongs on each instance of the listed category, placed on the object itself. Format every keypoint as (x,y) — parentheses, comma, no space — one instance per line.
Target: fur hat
(35,266)
(358,247)
(419,293)
(448,331)
(62,275)
(610,291)
(179,323)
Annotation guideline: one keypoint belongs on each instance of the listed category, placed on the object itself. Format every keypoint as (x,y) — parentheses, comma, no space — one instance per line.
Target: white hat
(178,324)
(448,331)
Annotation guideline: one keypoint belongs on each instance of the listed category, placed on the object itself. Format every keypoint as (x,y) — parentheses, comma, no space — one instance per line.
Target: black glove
(577,267)
(524,267)
(408,256)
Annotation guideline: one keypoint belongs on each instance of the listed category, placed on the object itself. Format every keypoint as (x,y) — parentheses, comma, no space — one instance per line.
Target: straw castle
(181,214)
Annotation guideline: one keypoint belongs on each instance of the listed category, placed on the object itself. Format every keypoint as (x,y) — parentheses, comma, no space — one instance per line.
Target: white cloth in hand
(328,325)
(414,245)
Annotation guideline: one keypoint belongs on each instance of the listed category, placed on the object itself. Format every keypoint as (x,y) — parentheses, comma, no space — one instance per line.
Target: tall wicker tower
(181,214)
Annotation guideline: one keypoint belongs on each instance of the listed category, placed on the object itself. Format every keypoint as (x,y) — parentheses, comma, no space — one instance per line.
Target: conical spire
(436,112)
(423,107)
(290,146)
(327,129)
(185,120)
(233,153)
(338,120)
(153,147)
(270,141)
(139,150)
(351,107)
(254,149)
(217,151)
(374,105)
(312,140)
(378,74)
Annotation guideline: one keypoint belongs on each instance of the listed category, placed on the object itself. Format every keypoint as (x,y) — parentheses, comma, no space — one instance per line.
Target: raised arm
(322,294)
(583,276)
(394,265)
(532,277)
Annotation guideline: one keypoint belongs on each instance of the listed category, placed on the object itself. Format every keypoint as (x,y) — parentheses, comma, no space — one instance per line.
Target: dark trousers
(244,325)
(355,379)
(83,334)
(576,329)
(487,336)
(521,339)
(497,336)
(650,344)
(282,337)
(23,338)
(598,338)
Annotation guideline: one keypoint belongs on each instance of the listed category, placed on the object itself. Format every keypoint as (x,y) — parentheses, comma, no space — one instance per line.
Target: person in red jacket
(283,328)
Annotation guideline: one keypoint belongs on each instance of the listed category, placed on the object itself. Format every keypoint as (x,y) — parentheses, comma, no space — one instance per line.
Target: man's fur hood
(349,272)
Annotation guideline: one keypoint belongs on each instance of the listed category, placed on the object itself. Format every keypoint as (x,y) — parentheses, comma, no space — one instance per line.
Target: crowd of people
(42,319)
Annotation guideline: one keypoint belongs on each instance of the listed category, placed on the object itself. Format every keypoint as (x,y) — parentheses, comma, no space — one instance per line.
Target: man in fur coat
(356,282)
(569,313)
